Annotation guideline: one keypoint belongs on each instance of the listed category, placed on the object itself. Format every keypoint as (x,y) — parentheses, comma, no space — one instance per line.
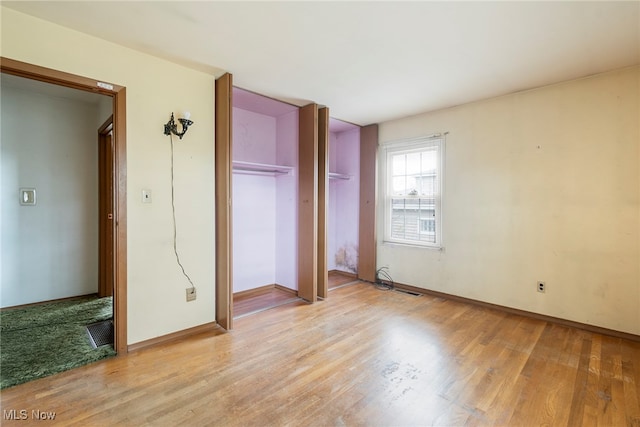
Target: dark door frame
(106,187)
(118,93)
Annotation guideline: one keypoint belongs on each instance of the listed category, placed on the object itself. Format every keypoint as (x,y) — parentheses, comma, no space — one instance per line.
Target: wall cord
(383,280)
(175,230)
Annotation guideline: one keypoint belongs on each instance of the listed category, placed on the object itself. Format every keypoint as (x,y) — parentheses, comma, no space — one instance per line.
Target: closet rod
(260,168)
(259,172)
(334,175)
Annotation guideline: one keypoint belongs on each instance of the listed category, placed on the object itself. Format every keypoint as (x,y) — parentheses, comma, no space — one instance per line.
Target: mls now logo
(23,414)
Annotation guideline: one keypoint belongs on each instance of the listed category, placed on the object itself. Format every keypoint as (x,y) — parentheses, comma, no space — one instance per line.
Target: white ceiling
(370,61)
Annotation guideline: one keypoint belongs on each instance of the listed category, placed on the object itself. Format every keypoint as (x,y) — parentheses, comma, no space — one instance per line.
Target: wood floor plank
(362,357)
(610,390)
(631,384)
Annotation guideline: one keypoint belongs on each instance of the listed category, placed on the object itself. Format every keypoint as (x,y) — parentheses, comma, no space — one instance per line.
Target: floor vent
(408,292)
(101,333)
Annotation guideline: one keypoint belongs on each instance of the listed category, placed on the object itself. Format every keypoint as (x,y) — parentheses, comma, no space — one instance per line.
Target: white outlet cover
(28,196)
(146,196)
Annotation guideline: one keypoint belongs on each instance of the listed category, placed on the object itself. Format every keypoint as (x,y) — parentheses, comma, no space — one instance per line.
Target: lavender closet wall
(254,202)
(343,210)
(264,205)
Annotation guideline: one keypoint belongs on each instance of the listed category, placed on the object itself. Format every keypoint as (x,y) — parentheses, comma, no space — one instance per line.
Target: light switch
(28,196)
(146,196)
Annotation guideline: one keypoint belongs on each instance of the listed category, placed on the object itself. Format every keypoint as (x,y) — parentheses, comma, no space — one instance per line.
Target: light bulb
(187,115)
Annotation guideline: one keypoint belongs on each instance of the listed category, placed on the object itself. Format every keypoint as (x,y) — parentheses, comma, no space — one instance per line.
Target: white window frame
(436,141)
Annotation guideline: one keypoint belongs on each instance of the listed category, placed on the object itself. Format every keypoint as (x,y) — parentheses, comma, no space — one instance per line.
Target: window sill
(409,245)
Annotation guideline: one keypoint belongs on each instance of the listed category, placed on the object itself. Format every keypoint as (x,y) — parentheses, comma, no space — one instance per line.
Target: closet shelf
(334,175)
(248,168)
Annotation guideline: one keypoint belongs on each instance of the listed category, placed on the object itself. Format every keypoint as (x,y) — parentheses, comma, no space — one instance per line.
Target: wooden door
(223,217)
(308,203)
(368,187)
(106,196)
(323,201)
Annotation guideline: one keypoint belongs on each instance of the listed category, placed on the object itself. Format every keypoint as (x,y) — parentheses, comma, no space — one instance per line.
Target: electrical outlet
(541,287)
(191,294)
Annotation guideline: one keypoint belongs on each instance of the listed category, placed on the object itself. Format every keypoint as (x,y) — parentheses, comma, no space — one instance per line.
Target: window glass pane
(413,219)
(427,220)
(427,185)
(413,163)
(429,161)
(398,219)
(400,186)
(398,164)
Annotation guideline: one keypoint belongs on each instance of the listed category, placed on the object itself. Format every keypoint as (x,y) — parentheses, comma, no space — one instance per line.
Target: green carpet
(45,339)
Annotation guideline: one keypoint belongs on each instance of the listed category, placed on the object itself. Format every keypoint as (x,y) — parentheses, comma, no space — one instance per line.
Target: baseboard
(173,336)
(530,314)
(255,291)
(262,290)
(285,289)
(344,273)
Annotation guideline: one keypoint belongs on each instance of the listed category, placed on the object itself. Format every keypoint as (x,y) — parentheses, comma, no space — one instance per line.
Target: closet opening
(343,202)
(264,191)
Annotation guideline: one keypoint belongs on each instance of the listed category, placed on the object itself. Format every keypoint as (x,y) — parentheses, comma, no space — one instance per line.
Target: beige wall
(155,88)
(542,185)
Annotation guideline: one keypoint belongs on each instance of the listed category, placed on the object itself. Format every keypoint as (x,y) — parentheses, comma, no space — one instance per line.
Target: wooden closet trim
(223,213)
(368,203)
(118,93)
(323,201)
(308,203)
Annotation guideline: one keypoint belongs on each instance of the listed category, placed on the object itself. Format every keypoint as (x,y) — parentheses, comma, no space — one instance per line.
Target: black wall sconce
(172,128)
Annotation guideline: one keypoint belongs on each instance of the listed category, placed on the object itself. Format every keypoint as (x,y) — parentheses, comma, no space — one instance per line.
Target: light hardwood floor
(362,357)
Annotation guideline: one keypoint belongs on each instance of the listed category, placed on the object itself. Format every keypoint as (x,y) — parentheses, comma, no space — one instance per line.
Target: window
(414,191)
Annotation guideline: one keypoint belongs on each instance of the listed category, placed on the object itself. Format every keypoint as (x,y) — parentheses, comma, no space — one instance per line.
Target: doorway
(118,138)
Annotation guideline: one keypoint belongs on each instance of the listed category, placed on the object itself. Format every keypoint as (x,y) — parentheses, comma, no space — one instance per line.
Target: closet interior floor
(245,304)
(338,279)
